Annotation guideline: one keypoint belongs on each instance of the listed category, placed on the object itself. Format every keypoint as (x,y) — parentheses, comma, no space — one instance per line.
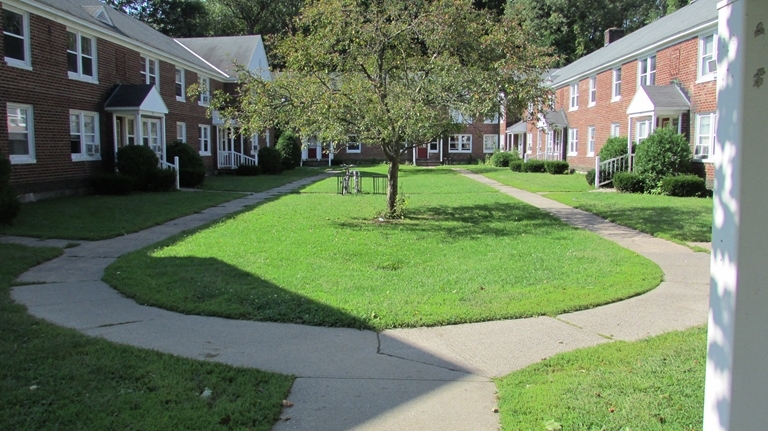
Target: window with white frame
(591,141)
(205,92)
(150,71)
(181,132)
(647,70)
(16,37)
(616,92)
(254,144)
(181,90)
(643,130)
(21,137)
(574,96)
(84,135)
(81,56)
(460,144)
(204,134)
(705,136)
(352,145)
(490,143)
(492,120)
(434,146)
(130,131)
(615,129)
(573,142)
(592,91)
(529,143)
(707,57)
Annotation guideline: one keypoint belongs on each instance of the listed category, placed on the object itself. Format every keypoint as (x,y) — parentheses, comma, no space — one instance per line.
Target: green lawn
(465,253)
(258,183)
(677,219)
(654,384)
(56,378)
(533,182)
(99,217)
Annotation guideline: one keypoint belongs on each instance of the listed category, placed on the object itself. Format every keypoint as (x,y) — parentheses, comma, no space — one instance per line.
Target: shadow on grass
(679,223)
(224,291)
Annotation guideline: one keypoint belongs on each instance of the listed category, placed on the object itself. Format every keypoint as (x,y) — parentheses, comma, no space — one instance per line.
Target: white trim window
(181,132)
(352,145)
(21,135)
(592,91)
(434,146)
(647,70)
(460,144)
(616,92)
(150,71)
(591,141)
(16,38)
(84,135)
(529,143)
(615,129)
(705,136)
(81,57)
(573,142)
(255,144)
(492,120)
(205,92)
(490,143)
(130,131)
(642,130)
(204,139)
(180,87)
(574,93)
(708,57)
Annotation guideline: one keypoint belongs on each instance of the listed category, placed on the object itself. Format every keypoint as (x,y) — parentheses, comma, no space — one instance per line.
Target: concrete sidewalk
(414,379)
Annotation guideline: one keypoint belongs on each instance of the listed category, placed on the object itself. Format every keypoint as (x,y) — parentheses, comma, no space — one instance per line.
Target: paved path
(407,379)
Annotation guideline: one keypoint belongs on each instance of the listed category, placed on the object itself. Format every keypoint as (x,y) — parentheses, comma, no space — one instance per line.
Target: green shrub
(191,166)
(503,159)
(270,161)
(112,184)
(683,186)
(591,177)
(662,154)
(289,147)
(516,165)
(556,167)
(338,162)
(138,162)
(615,146)
(534,166)
(5,171)
(161,180)
(628,182)
(10,205)
(248,170)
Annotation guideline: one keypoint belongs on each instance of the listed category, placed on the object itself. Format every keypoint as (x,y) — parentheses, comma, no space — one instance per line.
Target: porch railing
(605,170)
(547,155)
(175,166)
(233,159)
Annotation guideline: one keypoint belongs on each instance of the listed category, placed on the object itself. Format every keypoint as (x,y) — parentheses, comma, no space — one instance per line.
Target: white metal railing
(605,170)
(547,155)
(175,166)
(233,159)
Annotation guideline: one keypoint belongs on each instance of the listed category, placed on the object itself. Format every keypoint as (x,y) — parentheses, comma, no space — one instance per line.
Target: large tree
(233,17)
(391,72)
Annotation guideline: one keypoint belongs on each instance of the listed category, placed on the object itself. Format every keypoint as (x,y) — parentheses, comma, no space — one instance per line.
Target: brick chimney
(612,35)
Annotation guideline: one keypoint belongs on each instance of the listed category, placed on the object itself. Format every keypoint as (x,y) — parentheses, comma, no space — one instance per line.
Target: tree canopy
(174,18)
(390,72)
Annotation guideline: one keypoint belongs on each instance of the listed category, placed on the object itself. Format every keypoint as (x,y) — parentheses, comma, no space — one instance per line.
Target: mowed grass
(258,183)
(677,219)
(654,384)
(533,182)
(465,253)
(99,217)
(56,378)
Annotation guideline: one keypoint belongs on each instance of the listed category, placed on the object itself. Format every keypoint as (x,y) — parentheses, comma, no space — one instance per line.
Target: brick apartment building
(79,79)
(663,74)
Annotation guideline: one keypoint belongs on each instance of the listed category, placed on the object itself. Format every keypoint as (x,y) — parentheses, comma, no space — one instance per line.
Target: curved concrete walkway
(414,379)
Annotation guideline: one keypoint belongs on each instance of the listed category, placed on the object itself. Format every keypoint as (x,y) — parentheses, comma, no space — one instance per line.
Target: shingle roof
(556,118)
(689,18)
(128,95)
(224,52)
(666,96)
(127,27)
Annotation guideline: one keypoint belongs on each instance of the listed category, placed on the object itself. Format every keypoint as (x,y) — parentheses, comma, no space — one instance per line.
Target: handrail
(175,166)
(606,169)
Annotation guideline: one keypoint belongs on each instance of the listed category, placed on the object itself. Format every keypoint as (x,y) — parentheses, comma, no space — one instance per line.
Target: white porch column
(114,137)
(162,137)
(442,143)
(737,381)
(140,132)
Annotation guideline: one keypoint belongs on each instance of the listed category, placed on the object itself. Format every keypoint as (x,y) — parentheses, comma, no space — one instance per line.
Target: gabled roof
(136,97)
(556,119)
(519,127)
(658,98)
(125,28)
(227,51)
(685,22)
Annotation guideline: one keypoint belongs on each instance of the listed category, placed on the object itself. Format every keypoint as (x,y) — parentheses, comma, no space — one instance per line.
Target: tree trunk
(392,178)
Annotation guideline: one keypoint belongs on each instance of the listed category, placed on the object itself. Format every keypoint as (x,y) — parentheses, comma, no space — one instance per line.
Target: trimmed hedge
(191,166)
(665,152)
(289,146)
(270,161)
(247,171)
(556,167)
(534,166)
(614,147)
(503,159)
(591,177)
(162,180)
(112,184)
(628,182)
(10,205)
(516,166)
(683,186)
(138,162)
